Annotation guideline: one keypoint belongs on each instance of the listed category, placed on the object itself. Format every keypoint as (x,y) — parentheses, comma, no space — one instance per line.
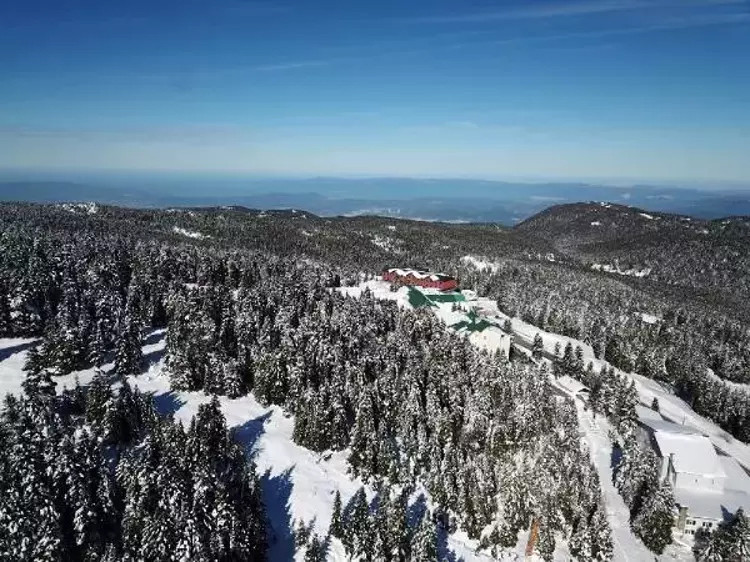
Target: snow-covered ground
(645,272)
(190,233)
(87,208)
(480,263)
(670,406)
(387,243)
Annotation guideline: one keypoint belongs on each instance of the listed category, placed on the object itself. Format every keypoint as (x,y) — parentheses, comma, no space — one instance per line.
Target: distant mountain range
(434,200)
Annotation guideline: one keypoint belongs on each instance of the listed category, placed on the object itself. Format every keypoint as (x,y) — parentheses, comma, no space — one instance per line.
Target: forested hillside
(249,310)
(247,301)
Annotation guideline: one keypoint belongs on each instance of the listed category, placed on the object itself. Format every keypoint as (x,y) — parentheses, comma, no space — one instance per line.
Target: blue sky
(655,90)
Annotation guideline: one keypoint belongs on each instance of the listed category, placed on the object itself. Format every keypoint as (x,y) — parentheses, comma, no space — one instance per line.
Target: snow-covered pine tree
(336,528)
(424,543)
(654,520)
(537,347)
(128,351)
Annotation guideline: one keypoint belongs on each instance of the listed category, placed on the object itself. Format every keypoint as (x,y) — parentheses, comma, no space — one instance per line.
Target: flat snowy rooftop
(693,454)
(712,505)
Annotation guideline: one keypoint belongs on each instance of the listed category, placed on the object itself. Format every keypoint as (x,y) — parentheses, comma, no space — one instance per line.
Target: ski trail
(628,547)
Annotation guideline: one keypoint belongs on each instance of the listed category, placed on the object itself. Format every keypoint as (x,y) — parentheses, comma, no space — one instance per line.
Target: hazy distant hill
(676,250)
(449,200)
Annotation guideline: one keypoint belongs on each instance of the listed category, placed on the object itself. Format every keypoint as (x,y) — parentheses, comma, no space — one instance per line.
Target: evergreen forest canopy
(248,304)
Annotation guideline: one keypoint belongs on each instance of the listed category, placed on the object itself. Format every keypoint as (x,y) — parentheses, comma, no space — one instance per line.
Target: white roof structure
(572,385)
(693,454)
(644,413)
(658,424)
(718,505)
(418,274)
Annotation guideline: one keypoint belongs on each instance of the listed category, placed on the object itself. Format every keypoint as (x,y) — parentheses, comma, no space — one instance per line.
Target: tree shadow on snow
(167,403)
(151,359)
(153,337)
(12,350)
(276,493)
(248,434)
(443,550)
(416,511)
(414,514)
(615,457)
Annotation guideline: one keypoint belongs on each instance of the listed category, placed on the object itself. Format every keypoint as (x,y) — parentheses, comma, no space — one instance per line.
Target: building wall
(694,524)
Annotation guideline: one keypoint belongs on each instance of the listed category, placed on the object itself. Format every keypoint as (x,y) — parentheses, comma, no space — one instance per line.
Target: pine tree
(98,395)
(358,524)
(317,550)
(6,323)
(424,543)
(336,528)
(128,354)
(655,404)
(602,548)
(537,348)
(654,520)
(737,536)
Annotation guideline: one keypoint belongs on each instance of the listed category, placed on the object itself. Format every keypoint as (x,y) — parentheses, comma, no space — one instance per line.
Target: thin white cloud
(550,10)
(294,65)
(666,24)
(462,124)
(670,24)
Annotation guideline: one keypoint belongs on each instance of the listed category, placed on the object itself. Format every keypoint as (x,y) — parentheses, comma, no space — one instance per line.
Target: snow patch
(90,208)
(645,272)
(649,318)
(596,223)
(480,264)
(190,233)
(388,244)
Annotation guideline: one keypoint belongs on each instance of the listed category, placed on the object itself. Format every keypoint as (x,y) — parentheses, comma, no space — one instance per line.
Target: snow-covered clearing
(190,233)
(387,243)
(649,318)
(87,208)
(480,264)
(616,269)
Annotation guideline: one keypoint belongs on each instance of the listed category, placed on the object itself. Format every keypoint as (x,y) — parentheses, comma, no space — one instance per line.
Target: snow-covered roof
(653,421)
(737,479)
(571,385)
(693,454)
(419,274)
(644,413)
(717,506)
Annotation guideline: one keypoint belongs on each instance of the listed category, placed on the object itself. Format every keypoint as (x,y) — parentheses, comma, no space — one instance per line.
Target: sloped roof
(571,385)
(693,454)
(711,505)
(420,274)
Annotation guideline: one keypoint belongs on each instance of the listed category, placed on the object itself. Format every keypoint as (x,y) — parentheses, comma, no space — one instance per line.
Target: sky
(648,90)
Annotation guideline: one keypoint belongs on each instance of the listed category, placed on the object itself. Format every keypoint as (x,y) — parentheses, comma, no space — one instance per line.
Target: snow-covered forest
(249,309)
